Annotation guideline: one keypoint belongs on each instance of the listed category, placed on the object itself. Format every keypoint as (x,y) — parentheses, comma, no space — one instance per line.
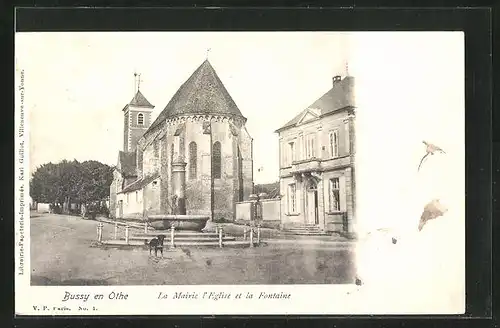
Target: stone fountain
(178,219)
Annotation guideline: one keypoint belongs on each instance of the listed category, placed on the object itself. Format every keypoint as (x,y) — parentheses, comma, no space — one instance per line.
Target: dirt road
(63,253)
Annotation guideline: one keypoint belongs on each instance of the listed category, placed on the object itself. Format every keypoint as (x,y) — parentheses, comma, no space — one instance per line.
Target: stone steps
(300,233)
(306,230)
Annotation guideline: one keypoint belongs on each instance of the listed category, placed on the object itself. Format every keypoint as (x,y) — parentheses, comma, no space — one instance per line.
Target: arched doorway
(312,202)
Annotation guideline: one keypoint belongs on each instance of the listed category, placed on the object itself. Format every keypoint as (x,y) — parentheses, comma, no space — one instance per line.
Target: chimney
(336,79)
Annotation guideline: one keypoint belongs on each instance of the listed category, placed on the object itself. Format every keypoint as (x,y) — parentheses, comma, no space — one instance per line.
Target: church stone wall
(134,136)
(152,196)
(112,198)
(139,160)
(224,187)
(114,188)
(135,131)
(246,148)
(165,174)
(125,130)
(148,160)
(147,118)
(198,190)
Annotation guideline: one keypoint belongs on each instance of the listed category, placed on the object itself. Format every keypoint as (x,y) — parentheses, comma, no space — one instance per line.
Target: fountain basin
(179,222)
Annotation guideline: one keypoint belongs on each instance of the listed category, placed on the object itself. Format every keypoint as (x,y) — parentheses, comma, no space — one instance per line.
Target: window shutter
(300,150)
(342,192)
(347,138)
(288,198)
(280,150)
(340,140)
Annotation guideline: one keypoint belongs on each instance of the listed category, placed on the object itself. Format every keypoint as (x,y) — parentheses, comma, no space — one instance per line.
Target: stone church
(194,158)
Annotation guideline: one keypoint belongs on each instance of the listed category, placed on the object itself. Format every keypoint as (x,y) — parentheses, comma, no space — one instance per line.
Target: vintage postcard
(243,173)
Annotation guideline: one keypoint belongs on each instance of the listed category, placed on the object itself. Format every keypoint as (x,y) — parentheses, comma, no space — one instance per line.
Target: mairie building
(317,157)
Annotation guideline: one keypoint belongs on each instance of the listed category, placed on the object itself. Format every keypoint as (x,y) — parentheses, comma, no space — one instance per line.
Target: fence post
(258,234)
(126,234)
(220,236)
(172,232)
(116,230)
(245,233)
(251,237)
(145,227)
(99,232)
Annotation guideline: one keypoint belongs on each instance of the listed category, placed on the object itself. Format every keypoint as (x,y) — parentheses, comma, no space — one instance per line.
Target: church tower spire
(137,117)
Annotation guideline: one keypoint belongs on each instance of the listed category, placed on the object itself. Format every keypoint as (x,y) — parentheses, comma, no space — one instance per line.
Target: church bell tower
(137,117)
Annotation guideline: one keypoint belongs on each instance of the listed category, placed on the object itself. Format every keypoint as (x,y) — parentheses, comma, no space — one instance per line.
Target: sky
(78,83)
(409,88)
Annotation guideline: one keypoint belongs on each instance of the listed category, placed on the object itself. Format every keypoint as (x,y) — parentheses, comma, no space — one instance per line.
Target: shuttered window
(334,195)
(292,198)
(334,143)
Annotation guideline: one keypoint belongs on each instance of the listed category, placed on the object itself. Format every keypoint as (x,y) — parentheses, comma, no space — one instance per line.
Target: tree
(45,184)
(71,182)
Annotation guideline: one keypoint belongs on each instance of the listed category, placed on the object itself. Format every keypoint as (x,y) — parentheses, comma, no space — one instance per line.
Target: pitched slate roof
(139,101)
(203,93)
(139,184)
(271,189)
(127,163)
(341,95)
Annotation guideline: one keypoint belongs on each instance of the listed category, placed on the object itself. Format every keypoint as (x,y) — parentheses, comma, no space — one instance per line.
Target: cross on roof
(208,50)
(138,80)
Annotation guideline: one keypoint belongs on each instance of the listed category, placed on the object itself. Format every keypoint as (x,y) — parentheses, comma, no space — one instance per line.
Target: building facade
(317,156)
(195,158)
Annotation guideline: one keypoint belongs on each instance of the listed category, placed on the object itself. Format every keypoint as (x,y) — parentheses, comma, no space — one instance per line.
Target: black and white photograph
(228,172)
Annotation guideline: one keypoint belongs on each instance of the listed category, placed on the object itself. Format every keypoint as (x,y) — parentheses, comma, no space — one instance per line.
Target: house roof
(127,163)
(340,96)
(271,189)
(139,184)
(139,101)
(203,93)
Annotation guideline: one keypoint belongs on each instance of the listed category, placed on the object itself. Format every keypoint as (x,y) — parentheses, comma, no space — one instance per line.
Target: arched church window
(216,162)
(192,160)
(140,119)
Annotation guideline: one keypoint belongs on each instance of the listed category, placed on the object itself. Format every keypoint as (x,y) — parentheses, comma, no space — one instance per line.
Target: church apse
(197,150)
(205,168)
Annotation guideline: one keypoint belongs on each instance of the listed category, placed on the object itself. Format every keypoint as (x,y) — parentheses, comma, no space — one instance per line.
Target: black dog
(156,244)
